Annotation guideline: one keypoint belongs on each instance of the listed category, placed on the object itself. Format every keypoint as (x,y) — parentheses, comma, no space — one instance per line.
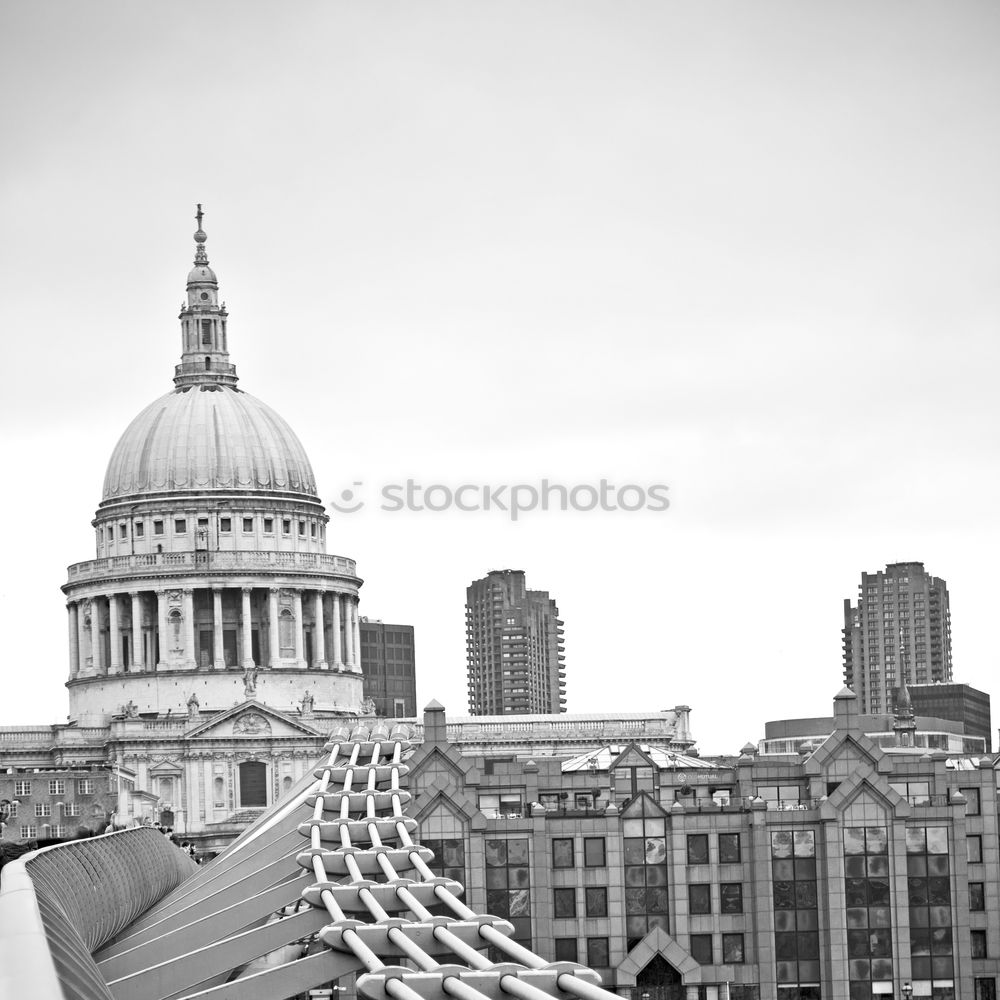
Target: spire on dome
(205,351)
(200,257)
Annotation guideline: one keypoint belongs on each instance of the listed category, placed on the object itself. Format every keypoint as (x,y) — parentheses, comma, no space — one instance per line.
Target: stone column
(218,651)
(161,628)
(74,638)
(338,662)
(190,653)
(272,627)
(299,643)
(95,636)
(114,636)
(82,637)
(319,637)
(137,653)
(356,626)
(349,652)
(246,629)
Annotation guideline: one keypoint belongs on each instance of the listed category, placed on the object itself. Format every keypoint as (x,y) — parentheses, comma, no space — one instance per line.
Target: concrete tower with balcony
(899,629)
(211,582)
(514,647)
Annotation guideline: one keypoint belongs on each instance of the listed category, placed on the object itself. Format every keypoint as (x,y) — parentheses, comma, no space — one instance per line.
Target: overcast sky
(748,250)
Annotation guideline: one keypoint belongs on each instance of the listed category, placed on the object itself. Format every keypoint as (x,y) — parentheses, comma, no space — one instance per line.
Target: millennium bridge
(327,883)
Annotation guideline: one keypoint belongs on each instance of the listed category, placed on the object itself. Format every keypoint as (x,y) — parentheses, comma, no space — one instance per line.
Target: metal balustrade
(369,874)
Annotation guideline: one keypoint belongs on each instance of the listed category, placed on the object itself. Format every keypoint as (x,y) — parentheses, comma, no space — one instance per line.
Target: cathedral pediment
(251,720)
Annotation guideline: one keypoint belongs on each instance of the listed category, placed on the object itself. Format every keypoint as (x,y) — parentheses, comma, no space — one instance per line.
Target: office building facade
(960,703)
(849,871)
(388,667)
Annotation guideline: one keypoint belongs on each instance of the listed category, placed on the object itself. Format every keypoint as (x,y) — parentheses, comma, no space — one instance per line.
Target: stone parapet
(179,563)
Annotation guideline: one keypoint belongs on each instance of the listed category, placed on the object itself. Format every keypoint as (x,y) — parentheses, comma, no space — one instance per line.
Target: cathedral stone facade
(212,639)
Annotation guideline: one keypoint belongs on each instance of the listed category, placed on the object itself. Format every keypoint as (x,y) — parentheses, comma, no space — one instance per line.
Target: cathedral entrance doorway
(253,783)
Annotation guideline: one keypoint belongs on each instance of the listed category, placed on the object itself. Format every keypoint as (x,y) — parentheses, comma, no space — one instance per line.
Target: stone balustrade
(182,563)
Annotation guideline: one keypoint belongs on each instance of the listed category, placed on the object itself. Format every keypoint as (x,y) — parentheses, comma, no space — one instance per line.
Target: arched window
(208,363)
(253,783)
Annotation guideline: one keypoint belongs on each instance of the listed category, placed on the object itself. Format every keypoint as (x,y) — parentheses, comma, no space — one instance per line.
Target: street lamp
(907,990)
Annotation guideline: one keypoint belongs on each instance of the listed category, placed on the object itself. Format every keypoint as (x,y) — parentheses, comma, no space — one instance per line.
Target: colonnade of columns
(172,643)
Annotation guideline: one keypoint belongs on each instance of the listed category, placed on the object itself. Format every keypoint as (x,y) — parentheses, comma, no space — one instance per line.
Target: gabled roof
(280,724)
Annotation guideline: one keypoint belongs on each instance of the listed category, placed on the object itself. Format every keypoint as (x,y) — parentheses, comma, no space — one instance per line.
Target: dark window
(312,528)
(508,885)
(701,948)
(449,861)
(978,943)
(564,902)
(731,897)
(796,935)
(975,850)
(598,953)
(697,848)
(269,524)
(729,848)
(157,527)
(111,534)
(597,902)
(180,525)
(248,524)
(225,524)
(700,898)
(972,801)
(140,529)
(123,531)
(286,527)
(732,949)
(562,852)
(986,988)
(593,852)
(567,950)
(302,527)
(206,329)
(977,897)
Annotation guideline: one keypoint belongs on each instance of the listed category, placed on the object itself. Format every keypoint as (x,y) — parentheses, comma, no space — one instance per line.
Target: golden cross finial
(198,215)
